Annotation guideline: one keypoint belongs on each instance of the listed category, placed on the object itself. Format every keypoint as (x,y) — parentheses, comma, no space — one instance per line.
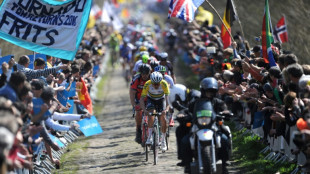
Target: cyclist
(135,94)
(154,64)
(144,60)
(141,49)
(167,64)
(162,70)
(126,52)
(114,46)
(156,89)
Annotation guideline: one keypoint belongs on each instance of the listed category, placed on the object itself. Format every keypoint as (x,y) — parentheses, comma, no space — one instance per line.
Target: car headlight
(204,120)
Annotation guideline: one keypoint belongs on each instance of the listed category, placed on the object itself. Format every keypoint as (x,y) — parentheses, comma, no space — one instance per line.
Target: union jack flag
(184,9)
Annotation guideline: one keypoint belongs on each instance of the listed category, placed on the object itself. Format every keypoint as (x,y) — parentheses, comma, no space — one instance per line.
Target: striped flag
(230,16)
(184,9)
(267,37)
(280,31)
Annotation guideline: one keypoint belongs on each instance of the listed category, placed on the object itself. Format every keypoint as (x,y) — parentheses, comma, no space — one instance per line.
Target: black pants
(180,132)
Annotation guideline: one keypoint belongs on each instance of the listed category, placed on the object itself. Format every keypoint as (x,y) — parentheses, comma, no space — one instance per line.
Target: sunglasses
(156,84)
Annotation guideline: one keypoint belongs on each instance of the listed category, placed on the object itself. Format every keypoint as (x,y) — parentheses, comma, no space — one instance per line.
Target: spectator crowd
(34,102)
(272,101)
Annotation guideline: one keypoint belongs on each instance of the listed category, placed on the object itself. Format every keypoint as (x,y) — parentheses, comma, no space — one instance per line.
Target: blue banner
(56,140)
(71,102)
(33,58)
(62,97)
(258,119)
(53,28)
(95,70)
(4,59)
(72,90)
(90,126)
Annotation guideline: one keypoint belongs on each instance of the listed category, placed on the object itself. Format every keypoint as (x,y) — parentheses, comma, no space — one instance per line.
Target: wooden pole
(240,26)
(221,20)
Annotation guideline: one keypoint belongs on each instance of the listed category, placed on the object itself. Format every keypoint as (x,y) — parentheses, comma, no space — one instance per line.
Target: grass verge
(246,155)
(100,94)
(68,159)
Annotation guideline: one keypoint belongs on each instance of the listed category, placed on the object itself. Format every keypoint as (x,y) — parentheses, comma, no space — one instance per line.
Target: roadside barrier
(277,149)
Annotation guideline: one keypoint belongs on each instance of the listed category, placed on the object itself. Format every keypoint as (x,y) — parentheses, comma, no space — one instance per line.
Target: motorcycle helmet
(156,77)
(208,84)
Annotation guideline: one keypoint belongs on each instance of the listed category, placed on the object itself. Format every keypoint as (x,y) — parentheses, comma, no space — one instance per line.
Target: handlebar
(155,114)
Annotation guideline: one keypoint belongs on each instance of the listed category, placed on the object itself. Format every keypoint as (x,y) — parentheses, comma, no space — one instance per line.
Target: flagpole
(240,26)
(221,20)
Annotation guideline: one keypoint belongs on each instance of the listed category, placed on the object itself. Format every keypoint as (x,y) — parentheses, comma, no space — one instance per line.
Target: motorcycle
(206,138)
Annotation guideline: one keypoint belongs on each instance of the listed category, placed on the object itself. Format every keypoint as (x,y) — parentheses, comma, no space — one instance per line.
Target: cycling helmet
(156,77)
(154,64)
(145,69)
(178,91)
(164,56)
(145,58)
(138,43)
(142,48)
(126,40)
(160,68)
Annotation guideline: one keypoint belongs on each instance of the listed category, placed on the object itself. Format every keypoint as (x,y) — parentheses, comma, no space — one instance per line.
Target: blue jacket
(8,92)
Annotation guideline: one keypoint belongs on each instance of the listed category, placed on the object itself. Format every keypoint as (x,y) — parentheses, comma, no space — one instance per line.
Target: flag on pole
(230,16)
(184,9)
(267,37)
(84,96)
(280,31)
(53,28)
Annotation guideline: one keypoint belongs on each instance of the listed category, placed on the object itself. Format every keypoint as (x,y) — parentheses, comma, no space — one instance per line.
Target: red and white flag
(280,31)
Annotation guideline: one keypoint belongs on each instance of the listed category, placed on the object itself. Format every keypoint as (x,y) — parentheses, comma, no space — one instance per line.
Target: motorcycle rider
(180,97)
(208,89)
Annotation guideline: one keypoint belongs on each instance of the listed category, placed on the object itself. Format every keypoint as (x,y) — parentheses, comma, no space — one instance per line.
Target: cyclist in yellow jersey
(156,90)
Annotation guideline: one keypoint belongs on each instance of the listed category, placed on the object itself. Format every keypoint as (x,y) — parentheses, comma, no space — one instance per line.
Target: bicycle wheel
(155,145)
(144,138)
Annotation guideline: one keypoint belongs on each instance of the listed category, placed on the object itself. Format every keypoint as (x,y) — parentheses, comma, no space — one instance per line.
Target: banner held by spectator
(90,126)
(53,28)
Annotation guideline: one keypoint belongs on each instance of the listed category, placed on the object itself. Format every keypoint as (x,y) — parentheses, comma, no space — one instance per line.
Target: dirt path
(114,151)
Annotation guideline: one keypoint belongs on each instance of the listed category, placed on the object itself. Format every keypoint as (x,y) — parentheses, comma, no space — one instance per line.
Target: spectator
(13,88)
(24,62)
